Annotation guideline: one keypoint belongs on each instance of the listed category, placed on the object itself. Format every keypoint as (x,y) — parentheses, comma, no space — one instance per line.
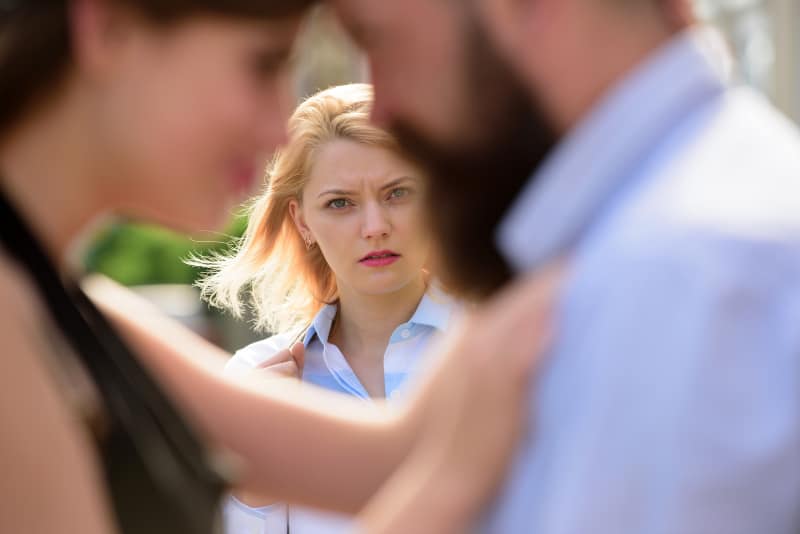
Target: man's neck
(599,56)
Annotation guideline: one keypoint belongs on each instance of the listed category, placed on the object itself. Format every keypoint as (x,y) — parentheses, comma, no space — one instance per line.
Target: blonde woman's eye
(338,203)
(399,192)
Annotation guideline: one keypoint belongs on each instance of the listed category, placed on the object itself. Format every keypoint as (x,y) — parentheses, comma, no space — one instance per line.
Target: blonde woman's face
(363,207)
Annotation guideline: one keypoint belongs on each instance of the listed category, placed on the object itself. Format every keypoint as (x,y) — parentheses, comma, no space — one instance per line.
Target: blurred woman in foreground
(158,110)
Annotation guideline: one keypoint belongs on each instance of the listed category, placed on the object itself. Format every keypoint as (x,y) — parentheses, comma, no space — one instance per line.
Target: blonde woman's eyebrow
(398,181)
(393,183)
(335,192)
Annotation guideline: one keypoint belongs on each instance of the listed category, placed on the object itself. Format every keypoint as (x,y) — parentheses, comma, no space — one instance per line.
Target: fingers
(287,369)
(288,362)
(518,321)
(298,351)
(279,357)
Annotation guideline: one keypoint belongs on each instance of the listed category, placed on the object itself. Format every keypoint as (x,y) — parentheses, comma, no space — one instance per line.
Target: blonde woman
(333,256)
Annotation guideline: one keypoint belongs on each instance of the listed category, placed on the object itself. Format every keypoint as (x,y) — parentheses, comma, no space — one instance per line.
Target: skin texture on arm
(284,365)
(305,430)
(311,441)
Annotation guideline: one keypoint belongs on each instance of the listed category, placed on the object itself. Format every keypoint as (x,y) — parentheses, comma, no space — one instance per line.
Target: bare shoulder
(46,458)
(16,293)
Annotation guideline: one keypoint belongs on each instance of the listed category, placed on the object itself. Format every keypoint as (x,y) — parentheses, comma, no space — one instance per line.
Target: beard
(472,184)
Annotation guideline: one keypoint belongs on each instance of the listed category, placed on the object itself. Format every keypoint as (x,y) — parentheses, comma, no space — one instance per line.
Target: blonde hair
(270,269)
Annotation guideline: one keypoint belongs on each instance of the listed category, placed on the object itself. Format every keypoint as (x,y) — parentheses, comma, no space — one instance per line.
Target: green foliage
(135,254)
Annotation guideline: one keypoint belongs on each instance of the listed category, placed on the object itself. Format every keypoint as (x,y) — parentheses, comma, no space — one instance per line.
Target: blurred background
(764,38)
(762,35)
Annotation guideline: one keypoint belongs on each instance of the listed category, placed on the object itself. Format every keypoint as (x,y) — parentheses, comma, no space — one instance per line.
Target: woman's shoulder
(15,288)
(19,328)
(254,354)
(42,422)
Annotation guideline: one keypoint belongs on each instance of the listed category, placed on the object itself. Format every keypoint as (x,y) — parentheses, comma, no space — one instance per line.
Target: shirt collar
(598,156)
(434,310)
(321,325)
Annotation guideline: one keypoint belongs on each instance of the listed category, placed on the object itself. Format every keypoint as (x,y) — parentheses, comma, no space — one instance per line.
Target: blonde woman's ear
(296,213)
(299,222)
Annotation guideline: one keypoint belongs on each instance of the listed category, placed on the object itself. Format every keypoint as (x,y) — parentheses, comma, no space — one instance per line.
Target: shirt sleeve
(238,517)
(672,402)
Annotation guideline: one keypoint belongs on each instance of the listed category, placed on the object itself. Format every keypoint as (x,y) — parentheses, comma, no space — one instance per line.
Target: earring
(308,241)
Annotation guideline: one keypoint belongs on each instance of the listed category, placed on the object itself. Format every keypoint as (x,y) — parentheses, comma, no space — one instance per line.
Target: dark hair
(35,43)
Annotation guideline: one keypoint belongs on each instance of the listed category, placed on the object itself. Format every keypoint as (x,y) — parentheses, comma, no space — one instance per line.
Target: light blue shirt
(326,366)
(671,401)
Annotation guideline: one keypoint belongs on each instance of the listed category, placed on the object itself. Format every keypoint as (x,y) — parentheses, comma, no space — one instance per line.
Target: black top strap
(146,430)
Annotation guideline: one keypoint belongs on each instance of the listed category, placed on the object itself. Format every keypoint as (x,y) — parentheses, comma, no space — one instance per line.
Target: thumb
(298,351)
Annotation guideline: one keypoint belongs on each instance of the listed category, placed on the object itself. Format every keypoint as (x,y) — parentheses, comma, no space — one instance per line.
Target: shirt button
(405,334)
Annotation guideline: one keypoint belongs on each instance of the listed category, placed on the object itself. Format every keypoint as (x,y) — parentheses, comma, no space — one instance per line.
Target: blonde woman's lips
(380,258)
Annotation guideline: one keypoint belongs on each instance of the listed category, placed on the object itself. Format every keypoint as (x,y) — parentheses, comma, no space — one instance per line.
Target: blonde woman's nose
(376,221)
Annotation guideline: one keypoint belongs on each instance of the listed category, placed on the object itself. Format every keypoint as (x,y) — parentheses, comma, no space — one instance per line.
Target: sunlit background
(764,37)
(762,34)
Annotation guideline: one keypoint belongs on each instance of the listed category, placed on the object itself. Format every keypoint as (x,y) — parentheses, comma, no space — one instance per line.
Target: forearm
(310,447)
(298,443)
(421,497)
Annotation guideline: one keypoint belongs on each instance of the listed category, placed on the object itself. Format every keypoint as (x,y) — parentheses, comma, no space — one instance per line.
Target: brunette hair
(36,41)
